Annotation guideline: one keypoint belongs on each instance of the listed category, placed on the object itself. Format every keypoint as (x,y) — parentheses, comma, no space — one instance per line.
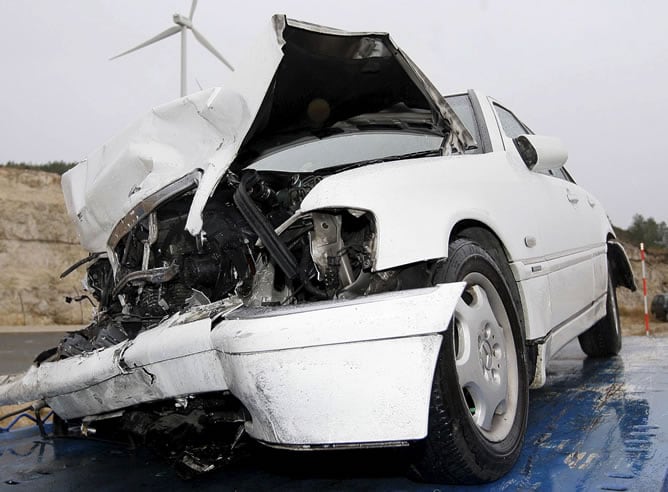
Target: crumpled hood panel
(265,99)
(203,130)
(162,146)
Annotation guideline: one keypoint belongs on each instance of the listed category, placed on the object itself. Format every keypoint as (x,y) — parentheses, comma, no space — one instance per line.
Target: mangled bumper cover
(324,373)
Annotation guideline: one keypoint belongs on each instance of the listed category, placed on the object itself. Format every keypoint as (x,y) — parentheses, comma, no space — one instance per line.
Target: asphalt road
(17,350)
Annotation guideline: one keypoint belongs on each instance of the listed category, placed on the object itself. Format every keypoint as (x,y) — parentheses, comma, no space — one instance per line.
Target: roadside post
(644,286)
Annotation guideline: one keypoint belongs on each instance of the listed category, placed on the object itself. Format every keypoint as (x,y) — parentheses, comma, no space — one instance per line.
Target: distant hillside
(37,242)
(57,167)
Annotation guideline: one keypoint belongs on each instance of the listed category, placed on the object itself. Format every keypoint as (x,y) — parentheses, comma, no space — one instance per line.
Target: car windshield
(347,148)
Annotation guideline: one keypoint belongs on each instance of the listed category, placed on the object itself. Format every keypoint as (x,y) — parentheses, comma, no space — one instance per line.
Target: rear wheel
(479,400)
(604,338)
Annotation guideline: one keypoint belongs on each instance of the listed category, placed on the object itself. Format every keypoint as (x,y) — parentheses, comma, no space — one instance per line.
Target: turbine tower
(182,25)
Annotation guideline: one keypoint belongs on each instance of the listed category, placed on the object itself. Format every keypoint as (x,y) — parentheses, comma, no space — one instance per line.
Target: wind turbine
(182,25)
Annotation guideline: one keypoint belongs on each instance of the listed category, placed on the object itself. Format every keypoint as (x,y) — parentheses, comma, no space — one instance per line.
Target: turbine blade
(193,6)
(164,34)
(210,47)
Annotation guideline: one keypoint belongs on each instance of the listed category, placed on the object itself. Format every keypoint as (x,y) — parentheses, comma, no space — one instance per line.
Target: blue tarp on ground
(596,425)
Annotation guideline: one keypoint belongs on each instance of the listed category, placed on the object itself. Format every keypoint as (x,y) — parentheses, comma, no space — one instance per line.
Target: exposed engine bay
(257,248)
(161,269)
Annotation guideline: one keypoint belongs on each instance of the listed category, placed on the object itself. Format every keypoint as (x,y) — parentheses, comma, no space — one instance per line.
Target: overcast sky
(594,73)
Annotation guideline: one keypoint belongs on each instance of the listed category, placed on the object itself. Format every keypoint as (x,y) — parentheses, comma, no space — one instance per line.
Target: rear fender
(620,266)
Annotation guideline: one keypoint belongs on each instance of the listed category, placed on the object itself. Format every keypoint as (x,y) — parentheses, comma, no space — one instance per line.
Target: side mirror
(541,153)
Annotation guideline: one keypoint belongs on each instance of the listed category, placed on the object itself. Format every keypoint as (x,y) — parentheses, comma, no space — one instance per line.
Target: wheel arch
(487,237)
(482,233)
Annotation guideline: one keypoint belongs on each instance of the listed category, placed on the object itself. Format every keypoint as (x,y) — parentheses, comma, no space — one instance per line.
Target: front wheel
(604,338)
(479,400)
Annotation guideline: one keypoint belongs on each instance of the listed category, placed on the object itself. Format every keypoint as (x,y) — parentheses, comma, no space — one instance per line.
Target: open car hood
(301,78)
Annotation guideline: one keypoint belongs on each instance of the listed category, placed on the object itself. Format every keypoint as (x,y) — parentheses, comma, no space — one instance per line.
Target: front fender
(417,202)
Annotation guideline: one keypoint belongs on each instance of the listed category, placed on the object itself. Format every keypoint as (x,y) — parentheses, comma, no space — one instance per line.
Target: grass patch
(56,167)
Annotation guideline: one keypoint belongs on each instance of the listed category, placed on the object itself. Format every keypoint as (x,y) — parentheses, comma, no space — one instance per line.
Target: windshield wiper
(353,165)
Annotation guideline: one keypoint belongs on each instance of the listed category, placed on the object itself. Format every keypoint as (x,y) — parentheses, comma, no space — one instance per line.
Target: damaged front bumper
(331,372)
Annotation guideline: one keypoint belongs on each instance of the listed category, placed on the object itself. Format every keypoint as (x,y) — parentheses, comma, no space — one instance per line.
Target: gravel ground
(635,325)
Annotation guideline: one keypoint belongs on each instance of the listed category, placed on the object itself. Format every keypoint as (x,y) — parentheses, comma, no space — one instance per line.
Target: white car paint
(574,227)
(303,373)
(336,372)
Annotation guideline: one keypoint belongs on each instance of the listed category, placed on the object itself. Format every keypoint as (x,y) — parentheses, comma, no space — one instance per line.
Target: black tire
(604,338)
(463,444)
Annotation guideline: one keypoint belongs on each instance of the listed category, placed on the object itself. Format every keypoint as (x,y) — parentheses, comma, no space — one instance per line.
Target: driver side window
(510,125)
(513,127)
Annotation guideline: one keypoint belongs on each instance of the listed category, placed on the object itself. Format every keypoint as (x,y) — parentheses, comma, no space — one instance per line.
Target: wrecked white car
(328,253)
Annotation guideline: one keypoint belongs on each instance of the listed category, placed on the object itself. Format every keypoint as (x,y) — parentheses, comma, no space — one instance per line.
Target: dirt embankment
(631,303)
(37,243)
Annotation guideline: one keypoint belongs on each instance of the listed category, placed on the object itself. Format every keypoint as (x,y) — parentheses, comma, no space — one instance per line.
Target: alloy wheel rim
(485,358)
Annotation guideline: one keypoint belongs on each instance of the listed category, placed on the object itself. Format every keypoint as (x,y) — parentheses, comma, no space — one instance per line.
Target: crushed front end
(271,322)
(227,305)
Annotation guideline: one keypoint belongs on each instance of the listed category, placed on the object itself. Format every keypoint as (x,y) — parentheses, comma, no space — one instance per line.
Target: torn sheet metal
(166,361)
(163,146)
(271,359)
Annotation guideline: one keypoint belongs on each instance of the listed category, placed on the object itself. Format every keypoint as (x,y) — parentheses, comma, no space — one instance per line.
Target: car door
(571,246)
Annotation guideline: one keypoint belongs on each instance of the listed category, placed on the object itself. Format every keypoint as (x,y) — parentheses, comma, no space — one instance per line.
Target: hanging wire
(25,413)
